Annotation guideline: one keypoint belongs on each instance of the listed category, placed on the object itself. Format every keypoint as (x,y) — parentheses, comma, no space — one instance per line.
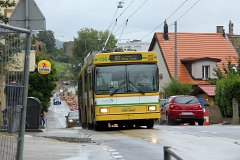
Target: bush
(41,86)
(226,89)
(177,88)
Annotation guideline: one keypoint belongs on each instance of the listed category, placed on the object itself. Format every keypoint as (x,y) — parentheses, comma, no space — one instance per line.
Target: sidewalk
(63,144)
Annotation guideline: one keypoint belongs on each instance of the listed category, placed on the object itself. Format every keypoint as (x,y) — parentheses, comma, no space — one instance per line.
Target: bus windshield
(137,78)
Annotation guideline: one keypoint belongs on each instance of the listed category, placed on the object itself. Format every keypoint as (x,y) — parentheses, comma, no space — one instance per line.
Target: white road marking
(115,154)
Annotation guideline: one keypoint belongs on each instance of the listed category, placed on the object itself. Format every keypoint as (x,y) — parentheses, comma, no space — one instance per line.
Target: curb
(70,139)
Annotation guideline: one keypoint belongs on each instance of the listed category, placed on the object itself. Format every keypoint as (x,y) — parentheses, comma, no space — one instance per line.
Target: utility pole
(175,54)
(20,145)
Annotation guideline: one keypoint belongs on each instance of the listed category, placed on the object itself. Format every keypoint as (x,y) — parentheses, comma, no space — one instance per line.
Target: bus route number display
(125,57)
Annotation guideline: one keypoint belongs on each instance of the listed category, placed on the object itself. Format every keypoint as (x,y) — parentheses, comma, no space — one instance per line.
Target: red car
(182,109)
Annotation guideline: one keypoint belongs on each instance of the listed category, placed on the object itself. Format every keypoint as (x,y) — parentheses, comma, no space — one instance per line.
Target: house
(8,11)
(198,54)
(235,39)
(68,46)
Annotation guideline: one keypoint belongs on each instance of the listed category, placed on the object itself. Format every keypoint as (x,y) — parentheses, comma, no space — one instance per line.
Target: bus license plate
(187,113)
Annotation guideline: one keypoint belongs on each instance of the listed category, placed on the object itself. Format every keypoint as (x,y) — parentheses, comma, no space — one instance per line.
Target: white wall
(162,68)
(197,68)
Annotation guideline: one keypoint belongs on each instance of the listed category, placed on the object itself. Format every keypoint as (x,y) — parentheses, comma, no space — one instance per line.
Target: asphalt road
(213,142)
(190,142)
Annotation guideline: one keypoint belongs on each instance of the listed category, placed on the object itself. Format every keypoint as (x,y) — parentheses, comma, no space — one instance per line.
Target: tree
(48,38)
(177,88)
(4,19)
(227,88)
(41,86)
(91,40)
(5,4)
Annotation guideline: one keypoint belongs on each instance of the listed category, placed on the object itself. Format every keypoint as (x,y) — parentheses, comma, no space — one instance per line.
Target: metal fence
(14,68)
(169,154)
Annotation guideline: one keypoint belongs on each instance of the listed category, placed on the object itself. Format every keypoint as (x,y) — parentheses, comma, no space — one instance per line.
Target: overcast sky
(66,18)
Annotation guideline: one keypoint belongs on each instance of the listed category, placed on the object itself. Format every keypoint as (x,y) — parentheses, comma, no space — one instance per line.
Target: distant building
(8,11)
(234,38)
(68,46)
(136,45)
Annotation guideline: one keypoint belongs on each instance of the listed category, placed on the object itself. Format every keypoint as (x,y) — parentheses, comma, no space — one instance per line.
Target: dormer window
(205,72)
(200,68)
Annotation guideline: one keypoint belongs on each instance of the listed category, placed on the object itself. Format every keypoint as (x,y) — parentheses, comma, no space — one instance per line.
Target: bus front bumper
(113,117)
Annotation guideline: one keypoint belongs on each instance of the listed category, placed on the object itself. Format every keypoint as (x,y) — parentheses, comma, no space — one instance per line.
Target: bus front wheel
(150,123)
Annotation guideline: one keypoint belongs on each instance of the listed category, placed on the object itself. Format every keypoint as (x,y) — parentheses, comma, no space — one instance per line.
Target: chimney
(220,29)
(165,31)
(230,28)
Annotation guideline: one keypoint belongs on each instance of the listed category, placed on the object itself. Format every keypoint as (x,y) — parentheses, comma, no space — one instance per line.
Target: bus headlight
(70,120)
(151,108)
(103,110)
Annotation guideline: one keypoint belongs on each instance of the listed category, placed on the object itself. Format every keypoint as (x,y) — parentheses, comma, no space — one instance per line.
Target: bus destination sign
(125,57)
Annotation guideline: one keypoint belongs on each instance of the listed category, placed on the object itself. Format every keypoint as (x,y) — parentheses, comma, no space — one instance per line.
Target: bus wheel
(120,125)
(150,124)
(84,125)
(99,126)
(90,126)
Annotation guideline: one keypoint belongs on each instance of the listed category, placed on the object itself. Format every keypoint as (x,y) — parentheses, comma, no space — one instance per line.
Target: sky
(67,17)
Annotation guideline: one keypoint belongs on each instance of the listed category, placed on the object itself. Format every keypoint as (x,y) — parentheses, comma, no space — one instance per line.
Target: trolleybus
(119,88)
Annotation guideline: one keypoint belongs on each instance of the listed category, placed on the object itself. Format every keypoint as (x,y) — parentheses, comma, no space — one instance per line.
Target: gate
(14,72)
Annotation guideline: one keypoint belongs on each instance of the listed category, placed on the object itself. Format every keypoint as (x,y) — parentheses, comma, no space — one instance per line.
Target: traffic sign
(28,16)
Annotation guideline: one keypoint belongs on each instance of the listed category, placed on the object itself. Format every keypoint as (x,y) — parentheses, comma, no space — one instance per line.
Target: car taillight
(199,106)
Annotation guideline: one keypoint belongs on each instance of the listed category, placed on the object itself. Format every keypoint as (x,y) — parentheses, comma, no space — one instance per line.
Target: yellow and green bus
(119,88)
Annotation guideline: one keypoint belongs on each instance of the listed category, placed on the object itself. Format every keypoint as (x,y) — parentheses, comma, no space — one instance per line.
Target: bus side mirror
(89,69)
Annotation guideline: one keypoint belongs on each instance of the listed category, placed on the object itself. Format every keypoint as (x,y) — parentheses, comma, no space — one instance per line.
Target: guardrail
(168,153)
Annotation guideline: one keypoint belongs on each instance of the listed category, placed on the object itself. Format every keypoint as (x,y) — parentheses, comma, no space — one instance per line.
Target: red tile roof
(194,45)
(208,89)
(191,59)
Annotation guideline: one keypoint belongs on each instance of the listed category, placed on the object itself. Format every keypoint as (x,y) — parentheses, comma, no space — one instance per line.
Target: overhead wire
(130,16)
(122,31)
(112,22)
(184,13)
(166,19)
(105,44)
(187,10)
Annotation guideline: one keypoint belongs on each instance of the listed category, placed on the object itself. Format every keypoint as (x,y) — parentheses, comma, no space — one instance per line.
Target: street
(190,142)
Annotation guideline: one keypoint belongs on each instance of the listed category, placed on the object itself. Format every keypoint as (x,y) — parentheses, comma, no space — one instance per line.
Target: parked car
(72,119)
(162,102)
(182,109)
(56,101)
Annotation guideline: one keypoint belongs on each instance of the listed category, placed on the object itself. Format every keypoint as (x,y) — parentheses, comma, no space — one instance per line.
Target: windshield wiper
(117,89)
(189,101)
(137,87)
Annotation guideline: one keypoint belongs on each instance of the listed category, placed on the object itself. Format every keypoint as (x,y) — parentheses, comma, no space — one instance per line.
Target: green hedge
(226,89)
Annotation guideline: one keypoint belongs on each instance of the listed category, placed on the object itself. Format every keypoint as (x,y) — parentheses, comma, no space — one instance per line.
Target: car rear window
(73,114)
(186,100)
